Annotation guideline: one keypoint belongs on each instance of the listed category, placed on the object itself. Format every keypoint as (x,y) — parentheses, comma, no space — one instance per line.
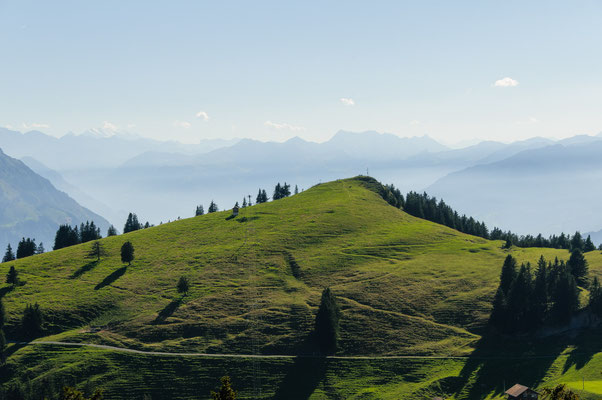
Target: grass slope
(406,286)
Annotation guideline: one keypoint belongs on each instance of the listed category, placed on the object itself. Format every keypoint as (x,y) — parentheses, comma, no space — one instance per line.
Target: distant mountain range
(551,189)
(92,149)
(32,207)
(515,186)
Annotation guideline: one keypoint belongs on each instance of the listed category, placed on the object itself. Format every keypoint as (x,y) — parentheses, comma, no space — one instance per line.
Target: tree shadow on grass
(302,378)
(111,278)
(499,362)
(82,270)
(586,346)
(5,290)
(168,310)
(305,374)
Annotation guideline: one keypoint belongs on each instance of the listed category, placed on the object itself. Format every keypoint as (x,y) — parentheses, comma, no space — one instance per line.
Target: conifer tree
(499,311)
(26,248)
(112,231)
(577,241)
(595,297)
(277,192)
(296,190)
(519,298)
(578,266)
(589,245)
(9,255)
(244,202)
(540,291)
(127,253)
(199,210)
(132,223)
(97,250)
(259,198)
(12,277)
(183,285)
(226,392)
(566,297)
(508,274)
(212,207)
(66,236)
(32,321)
(327,323)
(40,249)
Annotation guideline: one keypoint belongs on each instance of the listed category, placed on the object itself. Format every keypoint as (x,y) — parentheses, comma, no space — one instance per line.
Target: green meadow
(406,287)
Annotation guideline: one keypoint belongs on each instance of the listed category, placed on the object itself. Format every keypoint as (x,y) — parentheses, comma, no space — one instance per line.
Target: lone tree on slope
(225,392)
(183,285)
(9,255)
(127,253)
(12,278)
(97,250)
(32,321)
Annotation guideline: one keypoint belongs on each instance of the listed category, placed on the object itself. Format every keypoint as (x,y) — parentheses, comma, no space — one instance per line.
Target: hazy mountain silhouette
(32,207)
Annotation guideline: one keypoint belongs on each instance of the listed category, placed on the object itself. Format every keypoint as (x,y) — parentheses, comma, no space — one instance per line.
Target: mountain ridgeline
(32,207)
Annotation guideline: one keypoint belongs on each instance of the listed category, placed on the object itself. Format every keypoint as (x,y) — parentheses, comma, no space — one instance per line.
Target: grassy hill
(406,287)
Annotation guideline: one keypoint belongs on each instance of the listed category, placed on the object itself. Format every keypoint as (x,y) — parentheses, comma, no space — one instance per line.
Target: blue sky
(191,70)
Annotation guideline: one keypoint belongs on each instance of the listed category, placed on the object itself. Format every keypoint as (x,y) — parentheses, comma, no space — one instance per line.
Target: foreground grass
(406,286)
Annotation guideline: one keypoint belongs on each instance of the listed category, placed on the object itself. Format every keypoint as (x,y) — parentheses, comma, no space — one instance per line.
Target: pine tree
(577,242)
(213,207)
(97,250)
(226,392)
(540,291)
(508,274)
(132,223)
(578,266)
(259,198)
(519,299)
(296,190)
(112,231)
(277,192)
(566,297)
(199,210)
(244,202)
(40,249)
(12,277)
(499,311)
(127,253)
(595,297)
(589,245)
(183,285)
(66,236)
(327,323)
(32,321)
(26,248)
(9,255)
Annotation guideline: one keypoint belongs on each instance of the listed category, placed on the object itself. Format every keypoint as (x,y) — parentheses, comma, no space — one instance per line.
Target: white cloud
(347,101)
(131,126)
(8,126)
(530,120)
(107,126)
(506,82)
(34,125)
(203,115)
(182,124)
(414,122)
(283,126)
